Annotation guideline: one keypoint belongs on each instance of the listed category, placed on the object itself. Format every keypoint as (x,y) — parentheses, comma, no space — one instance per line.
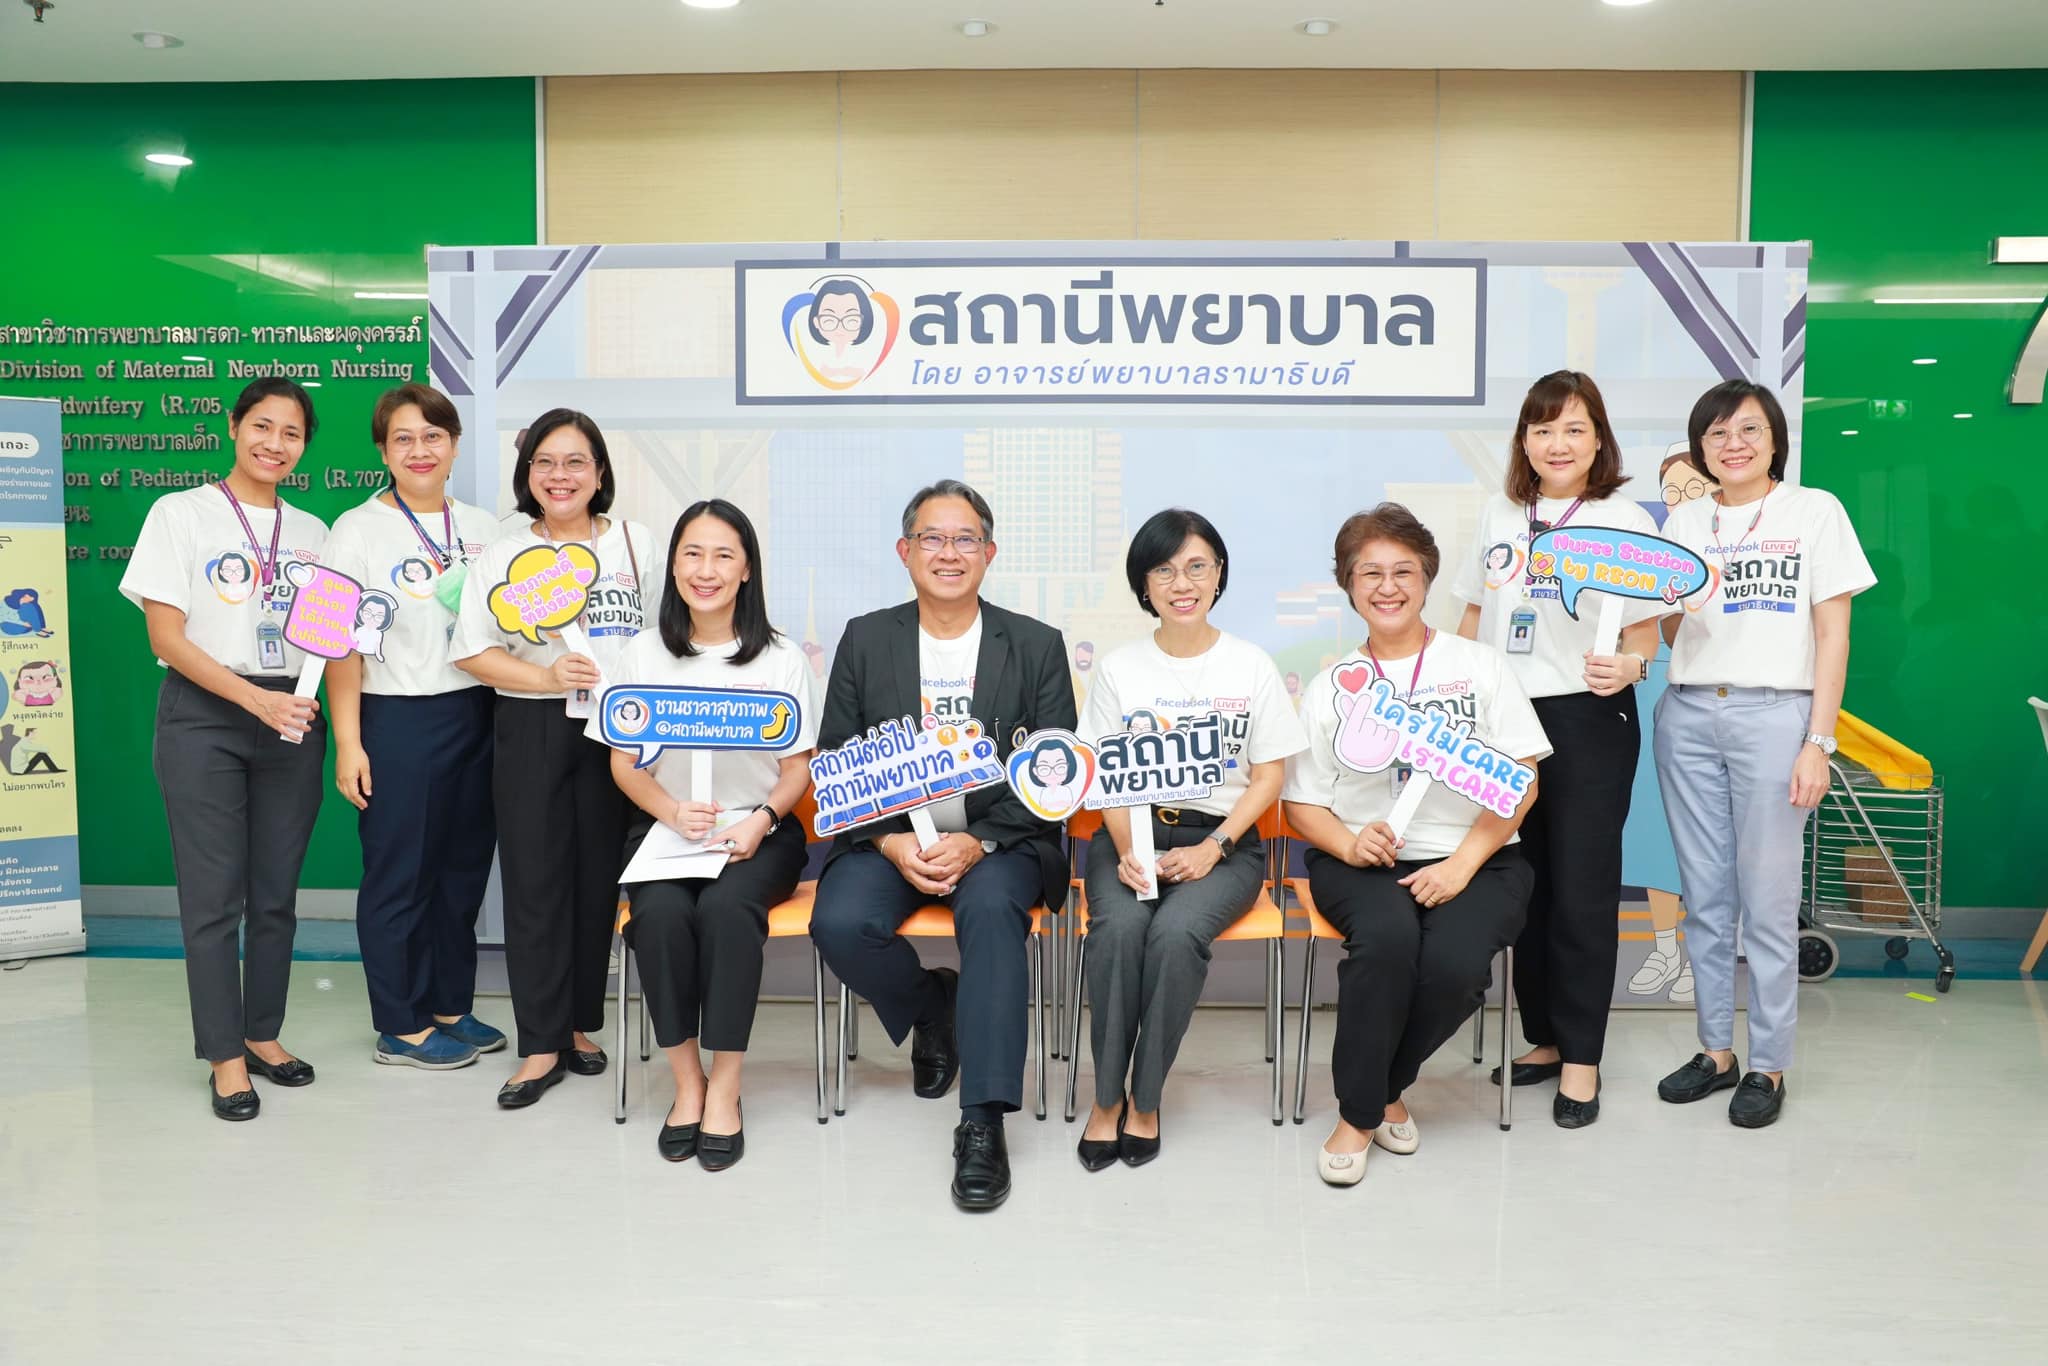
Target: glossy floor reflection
(395,1216)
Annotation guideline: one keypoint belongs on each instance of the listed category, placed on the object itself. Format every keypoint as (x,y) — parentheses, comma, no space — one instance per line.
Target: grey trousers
(1724,763)
(1147,961)
(240,803)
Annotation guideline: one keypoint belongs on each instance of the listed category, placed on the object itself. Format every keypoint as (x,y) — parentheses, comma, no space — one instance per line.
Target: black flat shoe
(1697,1080)
(1756,1102)
(1567,1113)
(290,1072)
(1135,1151)
(981,1166)
(1097,1153)
(590,1064)
(239,1106)
(934,1055)
(517,1095)
(716,1152)
(1530,1073)
(677,1142)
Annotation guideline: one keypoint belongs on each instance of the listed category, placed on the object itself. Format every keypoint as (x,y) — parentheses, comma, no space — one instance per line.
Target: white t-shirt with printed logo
(404,638)
(1473,683)
(1495,578)
(739,778)
(945,684)
(193,555)
(1233,678)
(614,617)
(1753,628)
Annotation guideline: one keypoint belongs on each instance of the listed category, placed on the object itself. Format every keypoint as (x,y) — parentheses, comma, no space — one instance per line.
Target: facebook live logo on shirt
(1760,576)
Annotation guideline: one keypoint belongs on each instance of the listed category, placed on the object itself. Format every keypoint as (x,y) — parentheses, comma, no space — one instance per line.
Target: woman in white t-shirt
(412,741)
(1147,959)
(1422,912)
(237,753)
(561,820)
(1746,728)
(698,941)
(1564,471)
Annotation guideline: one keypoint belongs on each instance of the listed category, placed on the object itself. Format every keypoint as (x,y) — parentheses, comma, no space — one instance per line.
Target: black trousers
(698,941)
(862,900)
(1410,977)
(1564,959)
(561,836)
(427,837)
(240,803)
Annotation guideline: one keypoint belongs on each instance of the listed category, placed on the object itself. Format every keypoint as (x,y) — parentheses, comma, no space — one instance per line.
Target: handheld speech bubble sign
(1051,771)
(1151,767)
(546,588)
(1625,564)
(650,719)
(898,768)
(322,619)
(1376,729)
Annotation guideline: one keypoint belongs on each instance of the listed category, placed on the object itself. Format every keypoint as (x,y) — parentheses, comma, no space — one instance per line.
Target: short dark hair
(538,431)
(749,606)
(853,291)
(434,406)
(948,488)
(1063,749)
(1160,539)
(1545,402)
(1385,522)
(1719,403)
(275,386)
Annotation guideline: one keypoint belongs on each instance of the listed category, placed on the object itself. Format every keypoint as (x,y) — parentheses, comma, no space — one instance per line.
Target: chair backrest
(805,812)
(2041,715)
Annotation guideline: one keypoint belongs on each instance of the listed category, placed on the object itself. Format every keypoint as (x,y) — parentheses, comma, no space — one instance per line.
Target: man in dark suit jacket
(951,654)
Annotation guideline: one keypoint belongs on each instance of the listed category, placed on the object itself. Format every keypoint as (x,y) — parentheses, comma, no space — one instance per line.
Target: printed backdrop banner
(1082,386)
(39,902)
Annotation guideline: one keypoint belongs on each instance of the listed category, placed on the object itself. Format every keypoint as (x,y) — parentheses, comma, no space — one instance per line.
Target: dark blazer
(1021,684)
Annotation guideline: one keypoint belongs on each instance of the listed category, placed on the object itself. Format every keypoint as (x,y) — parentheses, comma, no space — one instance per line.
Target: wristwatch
(988,846)
(1642,668)
(1224,842)
(774,821)
(1826,743)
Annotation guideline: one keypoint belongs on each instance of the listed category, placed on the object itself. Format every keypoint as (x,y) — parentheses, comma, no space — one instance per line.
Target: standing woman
(237,754)
(418,730)
(1564,470)
(561,819)
(1147,960)
(699,940)
(1422,917)
(1745,730)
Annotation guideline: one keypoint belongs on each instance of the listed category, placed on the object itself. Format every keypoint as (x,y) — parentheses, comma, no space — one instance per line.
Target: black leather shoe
(290,1072)
(1097,1153)
(1756,1102)
(716,1152)
(241,1105)
(1697,1080)
(1567,1113)
(981,1165)
(934,1056)
(677,1142)
(584,1064)
(1530,1073)
(517,1095)
(1135,1151)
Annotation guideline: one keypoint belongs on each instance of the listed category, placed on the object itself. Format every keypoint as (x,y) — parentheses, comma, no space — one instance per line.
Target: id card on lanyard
(274,591)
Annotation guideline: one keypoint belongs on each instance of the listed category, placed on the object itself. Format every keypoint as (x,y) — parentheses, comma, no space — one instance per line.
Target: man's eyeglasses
(933,542)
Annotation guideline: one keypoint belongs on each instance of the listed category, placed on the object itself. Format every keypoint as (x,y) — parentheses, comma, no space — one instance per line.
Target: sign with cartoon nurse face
(650,719)
(1052,772)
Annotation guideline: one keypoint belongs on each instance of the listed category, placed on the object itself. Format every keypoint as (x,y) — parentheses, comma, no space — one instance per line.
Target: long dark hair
(1545,402)
(749,607)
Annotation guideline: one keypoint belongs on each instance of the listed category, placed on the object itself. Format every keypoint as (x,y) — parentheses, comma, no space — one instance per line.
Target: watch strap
(774,821)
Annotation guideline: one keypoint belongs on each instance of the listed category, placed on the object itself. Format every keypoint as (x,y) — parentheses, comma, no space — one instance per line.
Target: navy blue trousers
(427,837)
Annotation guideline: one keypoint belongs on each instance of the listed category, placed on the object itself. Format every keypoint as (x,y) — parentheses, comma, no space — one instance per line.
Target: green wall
(300,195)
(1901,180)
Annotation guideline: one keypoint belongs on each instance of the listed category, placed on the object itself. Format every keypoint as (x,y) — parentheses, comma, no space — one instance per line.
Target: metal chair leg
(1038,973)
(1275,1049)
(839,1091)
(1507,1018)
(1308,995)
(1058,984)
(619,1024)
(646,1035)
(818,1023)
(850,1030)
(1074,1022)
(1272,1006)
(1479,1033)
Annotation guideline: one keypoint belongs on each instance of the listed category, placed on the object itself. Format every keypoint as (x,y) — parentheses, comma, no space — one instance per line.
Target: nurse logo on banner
(322,621)
(898,769)
(1376,729)
(1618,564)
(651,719)
(1051,771)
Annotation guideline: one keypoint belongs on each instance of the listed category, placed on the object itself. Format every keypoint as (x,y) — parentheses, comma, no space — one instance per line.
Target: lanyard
(1752,521)
(1413,679)
(266,568)
(442,558)
(1537,528)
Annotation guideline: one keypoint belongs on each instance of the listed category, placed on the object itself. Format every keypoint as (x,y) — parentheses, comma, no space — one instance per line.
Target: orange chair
(1319,928)
(1263,922)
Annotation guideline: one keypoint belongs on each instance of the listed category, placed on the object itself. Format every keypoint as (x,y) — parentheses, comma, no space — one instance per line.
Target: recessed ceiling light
(1925,360)
(1850,432)
(197,358)
(1316,28)
(1962,416)
(1625,4)
(388,294)
(2005,299)
(310,384)
(977,28)
(710,4)
(157,42)
(167,159)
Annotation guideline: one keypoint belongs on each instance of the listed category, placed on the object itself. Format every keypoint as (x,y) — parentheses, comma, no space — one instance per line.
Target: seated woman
(699,940)
(1422,916)
(1147,960)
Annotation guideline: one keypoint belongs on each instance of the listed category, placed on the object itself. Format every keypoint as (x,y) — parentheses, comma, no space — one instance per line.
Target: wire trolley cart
(1873,866)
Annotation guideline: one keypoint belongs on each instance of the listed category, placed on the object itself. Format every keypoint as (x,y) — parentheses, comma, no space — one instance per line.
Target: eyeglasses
(575,464)
(1372,575)
(1692,488)
(933,542)
(1717,437)
(1197,571)
(825,322)
(432,439)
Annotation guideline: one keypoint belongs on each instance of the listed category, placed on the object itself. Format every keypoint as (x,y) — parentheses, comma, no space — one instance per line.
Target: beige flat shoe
(1341,1169)
(1401,1138)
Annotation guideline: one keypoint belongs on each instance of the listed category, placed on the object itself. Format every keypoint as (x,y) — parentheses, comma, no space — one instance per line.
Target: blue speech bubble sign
(897,767)
(649,719)
(1627,564)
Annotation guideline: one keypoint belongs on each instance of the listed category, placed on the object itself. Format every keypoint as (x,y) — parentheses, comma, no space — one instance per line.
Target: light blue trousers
(1724,764)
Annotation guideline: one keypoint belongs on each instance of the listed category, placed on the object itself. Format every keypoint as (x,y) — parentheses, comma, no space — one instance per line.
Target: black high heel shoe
(1097,1153)
(716,1152)
(1135,1151)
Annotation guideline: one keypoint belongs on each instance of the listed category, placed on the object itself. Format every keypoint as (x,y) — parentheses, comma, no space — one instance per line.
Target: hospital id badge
(269,646)
(1522,631)
(581,705)
(1400,774)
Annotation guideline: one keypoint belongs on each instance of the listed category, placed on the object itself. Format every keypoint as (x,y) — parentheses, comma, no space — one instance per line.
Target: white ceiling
(89,40)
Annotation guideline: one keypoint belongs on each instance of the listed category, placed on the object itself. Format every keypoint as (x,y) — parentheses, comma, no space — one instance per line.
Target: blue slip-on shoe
(474,1032)
(437,1052)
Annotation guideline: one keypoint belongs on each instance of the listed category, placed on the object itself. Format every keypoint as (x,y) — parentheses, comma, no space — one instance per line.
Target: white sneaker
(1398,1138)
(1341,1169)
(1657,972)
(1681,991)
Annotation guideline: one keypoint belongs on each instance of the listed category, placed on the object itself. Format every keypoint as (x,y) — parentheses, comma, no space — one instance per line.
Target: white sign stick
(1607,630)
(582,701)
(921,825)
(1411,796)
(1144,852)
(310,674)
(700,775)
